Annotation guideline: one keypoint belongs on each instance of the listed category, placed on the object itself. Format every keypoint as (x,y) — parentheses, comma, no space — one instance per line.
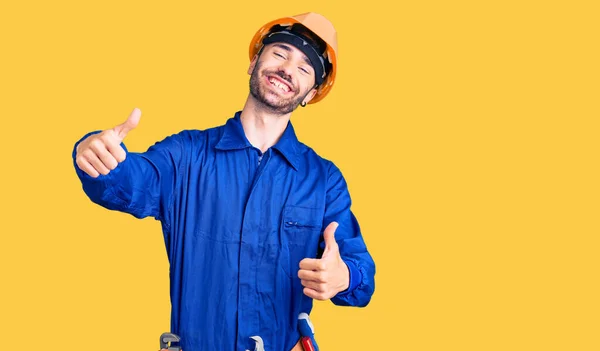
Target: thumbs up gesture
(324,277)
(101,153)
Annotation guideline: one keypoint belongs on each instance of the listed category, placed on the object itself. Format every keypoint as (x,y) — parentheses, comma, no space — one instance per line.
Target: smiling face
(281,78)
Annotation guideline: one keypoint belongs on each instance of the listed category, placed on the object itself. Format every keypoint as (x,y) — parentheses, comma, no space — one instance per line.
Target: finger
(313,264)
(313,294)
(131,122)
(329,237)
(85,166)
(99,148)
(93,159)
(318,287)
(318,277)
(115,149)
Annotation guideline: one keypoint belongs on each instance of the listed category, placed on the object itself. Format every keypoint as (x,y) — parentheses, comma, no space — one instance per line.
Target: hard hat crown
(319,25)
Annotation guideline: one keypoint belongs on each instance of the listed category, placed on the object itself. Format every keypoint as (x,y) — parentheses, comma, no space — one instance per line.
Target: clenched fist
(101,153)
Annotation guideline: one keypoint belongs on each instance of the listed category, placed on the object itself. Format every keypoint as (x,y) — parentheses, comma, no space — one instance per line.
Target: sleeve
(353,249)
(142,185)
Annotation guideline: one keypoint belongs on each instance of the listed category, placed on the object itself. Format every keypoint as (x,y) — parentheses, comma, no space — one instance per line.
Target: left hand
(324,277)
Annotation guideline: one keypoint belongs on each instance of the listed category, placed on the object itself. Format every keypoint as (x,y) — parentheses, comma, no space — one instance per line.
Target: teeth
(279,85)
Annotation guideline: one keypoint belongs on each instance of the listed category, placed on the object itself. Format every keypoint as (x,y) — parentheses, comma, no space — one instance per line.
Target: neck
(262,127)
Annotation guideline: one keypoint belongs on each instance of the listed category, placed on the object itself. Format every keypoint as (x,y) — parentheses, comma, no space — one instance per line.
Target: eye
(279,55)
(304,70)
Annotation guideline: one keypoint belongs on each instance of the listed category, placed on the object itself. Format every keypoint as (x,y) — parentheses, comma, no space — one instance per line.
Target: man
(256,224)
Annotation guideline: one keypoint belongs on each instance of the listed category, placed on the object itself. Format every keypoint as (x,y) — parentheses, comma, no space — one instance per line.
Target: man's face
(281,78)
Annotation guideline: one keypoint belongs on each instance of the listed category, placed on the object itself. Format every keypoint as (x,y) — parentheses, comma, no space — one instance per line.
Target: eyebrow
(289,49)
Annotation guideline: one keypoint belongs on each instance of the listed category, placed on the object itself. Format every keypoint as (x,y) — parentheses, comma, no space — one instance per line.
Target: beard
(273,102)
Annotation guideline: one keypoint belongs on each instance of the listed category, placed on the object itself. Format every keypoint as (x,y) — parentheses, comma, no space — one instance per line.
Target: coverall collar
(234,138)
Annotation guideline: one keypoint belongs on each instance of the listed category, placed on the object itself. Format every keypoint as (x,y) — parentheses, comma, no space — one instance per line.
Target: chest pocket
(301,225)
(301,232)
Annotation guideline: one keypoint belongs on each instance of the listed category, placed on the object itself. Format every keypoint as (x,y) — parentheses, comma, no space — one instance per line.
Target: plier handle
(167,340)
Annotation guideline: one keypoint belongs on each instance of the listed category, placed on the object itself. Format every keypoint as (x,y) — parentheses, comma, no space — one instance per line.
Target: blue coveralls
(236,223)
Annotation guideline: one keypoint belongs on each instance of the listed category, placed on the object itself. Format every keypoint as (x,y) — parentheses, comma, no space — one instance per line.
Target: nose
(286,67)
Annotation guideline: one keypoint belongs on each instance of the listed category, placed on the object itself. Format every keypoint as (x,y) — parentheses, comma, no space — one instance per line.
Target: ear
(252,64)
(310,95)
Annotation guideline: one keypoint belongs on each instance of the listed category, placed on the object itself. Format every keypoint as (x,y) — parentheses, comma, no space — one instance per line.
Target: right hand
(101,153)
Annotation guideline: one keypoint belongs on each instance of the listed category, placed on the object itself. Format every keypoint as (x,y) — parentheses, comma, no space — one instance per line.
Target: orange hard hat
(322,28)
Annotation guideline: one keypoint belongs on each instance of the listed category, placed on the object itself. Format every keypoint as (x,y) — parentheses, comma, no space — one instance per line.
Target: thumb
(329,238)
(131,122)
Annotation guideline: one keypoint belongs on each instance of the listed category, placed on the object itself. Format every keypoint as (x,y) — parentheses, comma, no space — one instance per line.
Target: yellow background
(467,131)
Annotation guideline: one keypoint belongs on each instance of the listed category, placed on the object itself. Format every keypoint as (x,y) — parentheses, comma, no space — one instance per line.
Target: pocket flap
(295,216)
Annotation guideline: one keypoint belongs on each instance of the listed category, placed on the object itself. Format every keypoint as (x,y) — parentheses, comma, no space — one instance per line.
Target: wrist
(355,278)
(345,282)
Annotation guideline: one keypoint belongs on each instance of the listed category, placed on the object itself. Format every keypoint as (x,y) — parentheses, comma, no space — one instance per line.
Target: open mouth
(280,84)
